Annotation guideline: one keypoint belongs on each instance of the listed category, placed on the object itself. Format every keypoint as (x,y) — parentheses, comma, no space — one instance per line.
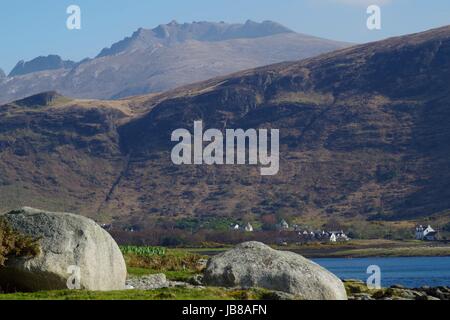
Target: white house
(426,233)
(249,227)
(333,237)
(337,236)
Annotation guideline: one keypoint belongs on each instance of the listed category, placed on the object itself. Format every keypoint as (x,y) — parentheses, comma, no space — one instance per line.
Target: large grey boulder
(253,264)
(76,253)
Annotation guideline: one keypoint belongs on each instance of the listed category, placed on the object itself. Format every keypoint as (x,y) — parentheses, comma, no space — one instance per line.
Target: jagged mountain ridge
(167,57)
(50,62)
(363,135)
(200,31)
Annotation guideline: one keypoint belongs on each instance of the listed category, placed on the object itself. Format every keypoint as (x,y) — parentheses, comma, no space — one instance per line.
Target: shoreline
(403,252)
(354,249)
(356,255)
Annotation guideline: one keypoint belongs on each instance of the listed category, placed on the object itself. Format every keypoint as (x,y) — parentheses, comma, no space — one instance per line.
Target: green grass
(178,275)
(176,264)
(210,293)
(207,251)
(171,260)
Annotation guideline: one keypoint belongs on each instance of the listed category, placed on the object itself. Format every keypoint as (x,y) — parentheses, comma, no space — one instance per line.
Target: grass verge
(210,293)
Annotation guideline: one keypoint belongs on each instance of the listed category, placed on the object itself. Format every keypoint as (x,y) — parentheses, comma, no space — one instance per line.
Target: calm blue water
(411,272)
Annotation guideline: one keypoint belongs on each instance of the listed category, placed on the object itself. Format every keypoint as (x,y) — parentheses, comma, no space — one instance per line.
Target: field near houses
(182,264)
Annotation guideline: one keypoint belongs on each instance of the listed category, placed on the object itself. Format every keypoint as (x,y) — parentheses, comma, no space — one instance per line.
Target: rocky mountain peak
(174,32)
(50,62)
(213,31)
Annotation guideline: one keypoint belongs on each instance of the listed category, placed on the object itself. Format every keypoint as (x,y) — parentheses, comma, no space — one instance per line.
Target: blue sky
(32,28)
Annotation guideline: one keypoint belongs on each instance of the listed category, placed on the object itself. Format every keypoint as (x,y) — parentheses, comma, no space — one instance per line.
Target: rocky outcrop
(76,253)
(357,290)
(148,282)
(253,264)
(157,281)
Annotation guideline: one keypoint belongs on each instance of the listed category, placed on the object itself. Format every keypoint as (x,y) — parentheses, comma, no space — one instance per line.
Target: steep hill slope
(364,134)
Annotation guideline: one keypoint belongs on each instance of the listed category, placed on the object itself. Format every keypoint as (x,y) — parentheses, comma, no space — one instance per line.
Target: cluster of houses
(422,232)
(303,235)
(330,236)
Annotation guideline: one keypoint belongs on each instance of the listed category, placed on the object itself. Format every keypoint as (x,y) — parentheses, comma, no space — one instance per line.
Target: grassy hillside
(363,140)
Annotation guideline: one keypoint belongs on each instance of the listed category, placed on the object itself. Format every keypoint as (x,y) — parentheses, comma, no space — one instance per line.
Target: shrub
(446,227)
(143,250)
(15,244)
(172,260)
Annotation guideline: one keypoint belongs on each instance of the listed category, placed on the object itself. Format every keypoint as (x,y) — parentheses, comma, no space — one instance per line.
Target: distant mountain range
(364,135)
(163,58)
